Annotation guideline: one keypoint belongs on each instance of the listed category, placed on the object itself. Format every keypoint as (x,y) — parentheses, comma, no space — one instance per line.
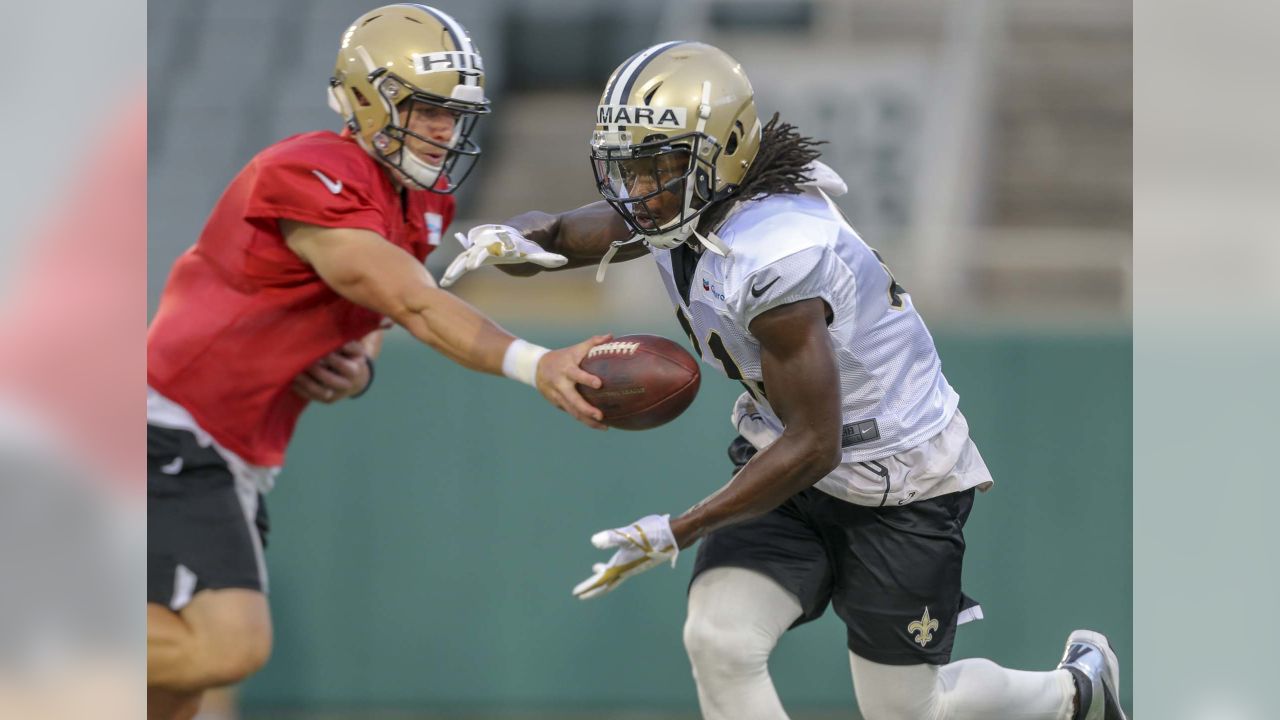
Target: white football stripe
(624,76)
(463,39)
(619,348)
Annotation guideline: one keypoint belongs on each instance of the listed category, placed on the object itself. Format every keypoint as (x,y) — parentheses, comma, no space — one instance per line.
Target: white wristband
(521,361)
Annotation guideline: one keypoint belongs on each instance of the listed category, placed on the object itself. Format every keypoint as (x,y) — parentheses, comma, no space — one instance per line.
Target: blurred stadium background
(425,538)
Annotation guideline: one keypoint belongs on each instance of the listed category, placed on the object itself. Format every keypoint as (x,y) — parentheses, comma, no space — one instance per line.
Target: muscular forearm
(453,328)
(786,467)
(583,235)
(372,273)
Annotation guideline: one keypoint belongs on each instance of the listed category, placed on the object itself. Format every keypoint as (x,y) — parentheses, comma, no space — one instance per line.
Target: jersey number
(721,353)
(896,291)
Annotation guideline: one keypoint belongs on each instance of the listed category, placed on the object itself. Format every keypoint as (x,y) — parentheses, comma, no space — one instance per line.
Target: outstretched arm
(364,268)
(582,235)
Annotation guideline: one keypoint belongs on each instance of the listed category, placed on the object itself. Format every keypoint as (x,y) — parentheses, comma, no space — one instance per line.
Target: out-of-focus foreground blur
(72,262)
(425,538)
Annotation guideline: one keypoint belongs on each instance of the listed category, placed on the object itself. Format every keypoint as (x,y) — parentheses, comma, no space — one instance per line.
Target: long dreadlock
(779,169)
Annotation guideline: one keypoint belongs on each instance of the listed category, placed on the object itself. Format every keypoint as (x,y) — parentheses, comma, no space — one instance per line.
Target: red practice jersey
(242,315)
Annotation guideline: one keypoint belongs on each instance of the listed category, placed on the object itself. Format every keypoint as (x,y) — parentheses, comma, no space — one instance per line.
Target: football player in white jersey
(855,472)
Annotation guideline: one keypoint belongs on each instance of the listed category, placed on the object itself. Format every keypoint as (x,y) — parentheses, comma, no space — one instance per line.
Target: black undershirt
(684,263)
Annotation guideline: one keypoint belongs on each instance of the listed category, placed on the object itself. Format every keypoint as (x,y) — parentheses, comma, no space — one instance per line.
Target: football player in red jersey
(280,302)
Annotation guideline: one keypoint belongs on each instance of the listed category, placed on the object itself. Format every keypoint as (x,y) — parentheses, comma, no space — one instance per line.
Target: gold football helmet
(403,59)
(676,131)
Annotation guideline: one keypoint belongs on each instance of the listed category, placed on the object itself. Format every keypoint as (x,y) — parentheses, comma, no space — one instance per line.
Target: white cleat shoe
(1091,661)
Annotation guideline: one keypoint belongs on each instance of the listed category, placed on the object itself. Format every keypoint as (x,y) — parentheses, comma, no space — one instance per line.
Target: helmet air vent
(731,145)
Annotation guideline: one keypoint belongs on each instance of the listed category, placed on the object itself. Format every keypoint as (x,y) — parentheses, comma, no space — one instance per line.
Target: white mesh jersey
(787,248)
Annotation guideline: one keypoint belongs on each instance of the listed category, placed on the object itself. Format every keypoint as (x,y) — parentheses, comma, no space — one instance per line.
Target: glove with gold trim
(750,424)
(644,544)
(496,245)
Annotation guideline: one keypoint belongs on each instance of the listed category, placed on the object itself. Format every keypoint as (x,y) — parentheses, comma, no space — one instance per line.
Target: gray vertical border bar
(1206,358)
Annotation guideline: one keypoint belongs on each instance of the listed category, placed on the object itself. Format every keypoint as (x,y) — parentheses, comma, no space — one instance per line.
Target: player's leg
(172,705)
(221,637)
(208,622)
(1086,686)
(219,704)
(898,590)
(751,582)
(735,619)
(973,689)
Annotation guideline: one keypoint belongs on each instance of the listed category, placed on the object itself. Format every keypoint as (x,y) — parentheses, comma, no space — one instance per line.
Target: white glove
(496,245)
(642,545)
(751,424)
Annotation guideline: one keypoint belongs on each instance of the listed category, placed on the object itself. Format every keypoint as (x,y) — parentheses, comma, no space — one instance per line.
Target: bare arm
(364,268)
(582,235)
(372,343)
(799,367)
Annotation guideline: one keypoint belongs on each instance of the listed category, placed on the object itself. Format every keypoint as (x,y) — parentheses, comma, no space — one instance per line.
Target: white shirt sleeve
(807,273)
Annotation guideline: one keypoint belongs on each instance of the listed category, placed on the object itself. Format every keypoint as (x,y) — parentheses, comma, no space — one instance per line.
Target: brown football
(648,381)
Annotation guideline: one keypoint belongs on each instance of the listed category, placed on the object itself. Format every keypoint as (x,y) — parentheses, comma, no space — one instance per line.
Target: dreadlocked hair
(779,169)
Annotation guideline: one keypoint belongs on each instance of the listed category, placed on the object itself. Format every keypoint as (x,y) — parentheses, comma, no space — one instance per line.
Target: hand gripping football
(648,381)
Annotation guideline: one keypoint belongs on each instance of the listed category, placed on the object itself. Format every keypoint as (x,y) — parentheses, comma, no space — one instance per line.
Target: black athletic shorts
(205,530)
(891,573)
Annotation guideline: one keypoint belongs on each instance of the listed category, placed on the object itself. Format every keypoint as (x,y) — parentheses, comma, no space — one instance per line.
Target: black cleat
(1091,661)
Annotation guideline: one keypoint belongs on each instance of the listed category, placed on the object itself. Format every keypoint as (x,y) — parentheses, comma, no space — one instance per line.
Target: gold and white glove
(644,544)
(496,245)
(750,424)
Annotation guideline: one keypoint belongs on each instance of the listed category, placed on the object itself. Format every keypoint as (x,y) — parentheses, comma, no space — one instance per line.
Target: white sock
(735,619)
(974,689)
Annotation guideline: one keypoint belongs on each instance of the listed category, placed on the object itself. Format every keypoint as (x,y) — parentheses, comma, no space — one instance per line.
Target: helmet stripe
(613,80)
(459,35)
(626,78)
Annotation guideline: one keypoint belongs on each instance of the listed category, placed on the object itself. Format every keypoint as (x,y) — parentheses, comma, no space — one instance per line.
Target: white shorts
(948,462)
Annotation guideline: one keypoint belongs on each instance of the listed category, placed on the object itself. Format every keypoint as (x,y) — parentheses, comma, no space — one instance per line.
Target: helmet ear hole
(731,146)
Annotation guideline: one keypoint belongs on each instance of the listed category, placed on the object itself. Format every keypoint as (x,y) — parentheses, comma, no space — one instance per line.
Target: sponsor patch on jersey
(714,288)
(435,226)
(658,117)
(447,61)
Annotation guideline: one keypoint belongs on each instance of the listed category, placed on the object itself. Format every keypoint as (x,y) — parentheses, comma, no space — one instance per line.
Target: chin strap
(710,241)
(613,250)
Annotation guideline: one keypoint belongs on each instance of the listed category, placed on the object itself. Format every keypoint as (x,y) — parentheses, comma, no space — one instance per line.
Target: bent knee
(232,637)
(235,656)
(725,645)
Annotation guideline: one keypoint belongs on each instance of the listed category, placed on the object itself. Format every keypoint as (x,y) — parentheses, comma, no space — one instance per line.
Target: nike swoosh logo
(335,187)
(758,291)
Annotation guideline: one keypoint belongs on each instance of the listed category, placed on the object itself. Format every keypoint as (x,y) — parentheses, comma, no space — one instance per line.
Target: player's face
(433,123)
(645,175)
